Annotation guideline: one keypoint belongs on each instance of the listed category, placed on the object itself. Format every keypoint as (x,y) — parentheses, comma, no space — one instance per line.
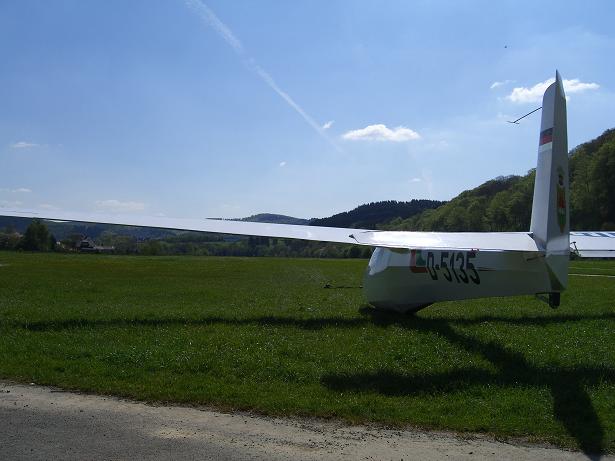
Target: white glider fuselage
(407,280)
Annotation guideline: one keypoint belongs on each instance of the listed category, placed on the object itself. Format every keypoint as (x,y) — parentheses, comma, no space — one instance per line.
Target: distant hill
(370,215)
(275,219)
(505,203)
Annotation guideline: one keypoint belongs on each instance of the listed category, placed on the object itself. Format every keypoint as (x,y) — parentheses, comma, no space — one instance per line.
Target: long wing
(497,241)
(593,244)
(217,226)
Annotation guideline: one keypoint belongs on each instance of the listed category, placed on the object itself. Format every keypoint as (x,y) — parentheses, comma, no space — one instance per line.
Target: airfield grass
(264,335)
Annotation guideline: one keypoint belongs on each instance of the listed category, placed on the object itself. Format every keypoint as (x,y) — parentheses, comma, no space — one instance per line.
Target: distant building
(87,245)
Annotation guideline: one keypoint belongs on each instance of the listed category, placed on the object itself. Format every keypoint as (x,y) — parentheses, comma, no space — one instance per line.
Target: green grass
(264,335)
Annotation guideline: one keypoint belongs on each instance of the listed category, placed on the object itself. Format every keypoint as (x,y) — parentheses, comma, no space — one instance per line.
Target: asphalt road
(42,423)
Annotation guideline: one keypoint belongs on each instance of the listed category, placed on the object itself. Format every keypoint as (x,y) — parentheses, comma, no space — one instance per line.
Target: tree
(9,240)
(353,252)
(37,237)
(151,248)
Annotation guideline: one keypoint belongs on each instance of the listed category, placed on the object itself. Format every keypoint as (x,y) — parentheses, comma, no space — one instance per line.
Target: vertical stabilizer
(550,225)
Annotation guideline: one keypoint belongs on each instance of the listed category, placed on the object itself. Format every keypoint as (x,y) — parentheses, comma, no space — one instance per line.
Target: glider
(411,270)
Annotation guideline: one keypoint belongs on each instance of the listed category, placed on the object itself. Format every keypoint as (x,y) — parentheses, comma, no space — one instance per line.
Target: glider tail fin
(550,226)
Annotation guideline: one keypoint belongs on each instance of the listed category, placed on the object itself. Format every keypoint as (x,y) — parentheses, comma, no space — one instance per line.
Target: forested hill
(275,219)
(370,215)
(505,203)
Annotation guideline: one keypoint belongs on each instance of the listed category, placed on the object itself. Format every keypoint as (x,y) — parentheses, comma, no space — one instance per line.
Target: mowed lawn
(265,335)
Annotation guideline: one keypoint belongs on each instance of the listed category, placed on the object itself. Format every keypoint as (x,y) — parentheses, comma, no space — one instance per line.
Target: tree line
(38,238)
(505,203)
(371,215)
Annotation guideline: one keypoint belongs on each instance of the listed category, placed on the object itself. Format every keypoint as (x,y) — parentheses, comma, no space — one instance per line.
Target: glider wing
(503,241)
(593,244)
(587,244)
(216,226)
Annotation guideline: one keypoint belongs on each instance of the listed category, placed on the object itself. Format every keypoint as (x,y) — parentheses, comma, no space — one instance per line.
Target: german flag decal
(546,136)
(417,263)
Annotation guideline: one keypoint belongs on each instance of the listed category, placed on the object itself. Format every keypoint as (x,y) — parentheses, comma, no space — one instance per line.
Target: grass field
(264,335)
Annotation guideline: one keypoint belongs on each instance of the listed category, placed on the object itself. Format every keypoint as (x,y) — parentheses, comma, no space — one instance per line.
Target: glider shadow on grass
(572,405)
(370,316)
(571,402)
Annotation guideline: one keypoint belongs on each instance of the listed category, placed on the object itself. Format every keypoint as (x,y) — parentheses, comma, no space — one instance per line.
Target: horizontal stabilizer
(494,241)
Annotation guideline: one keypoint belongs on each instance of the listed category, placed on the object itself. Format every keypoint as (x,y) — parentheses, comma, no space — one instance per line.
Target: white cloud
(282,164)
(23,145)
(116,205)
(534,94)
(328,125)
(576,86)
(47,206)
(502,83)
(415,180)
(10,203)
(380,132)
(19,190)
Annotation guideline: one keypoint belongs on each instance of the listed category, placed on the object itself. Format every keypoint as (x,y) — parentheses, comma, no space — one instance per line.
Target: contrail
(210,18)
(269,81)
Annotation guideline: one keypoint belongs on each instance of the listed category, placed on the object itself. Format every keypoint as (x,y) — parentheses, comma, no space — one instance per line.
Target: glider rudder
(550,222)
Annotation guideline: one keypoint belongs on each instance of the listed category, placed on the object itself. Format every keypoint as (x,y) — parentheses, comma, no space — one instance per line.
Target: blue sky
(230,108)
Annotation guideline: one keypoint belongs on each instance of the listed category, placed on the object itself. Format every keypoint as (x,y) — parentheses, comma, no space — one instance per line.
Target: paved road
(39,423)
